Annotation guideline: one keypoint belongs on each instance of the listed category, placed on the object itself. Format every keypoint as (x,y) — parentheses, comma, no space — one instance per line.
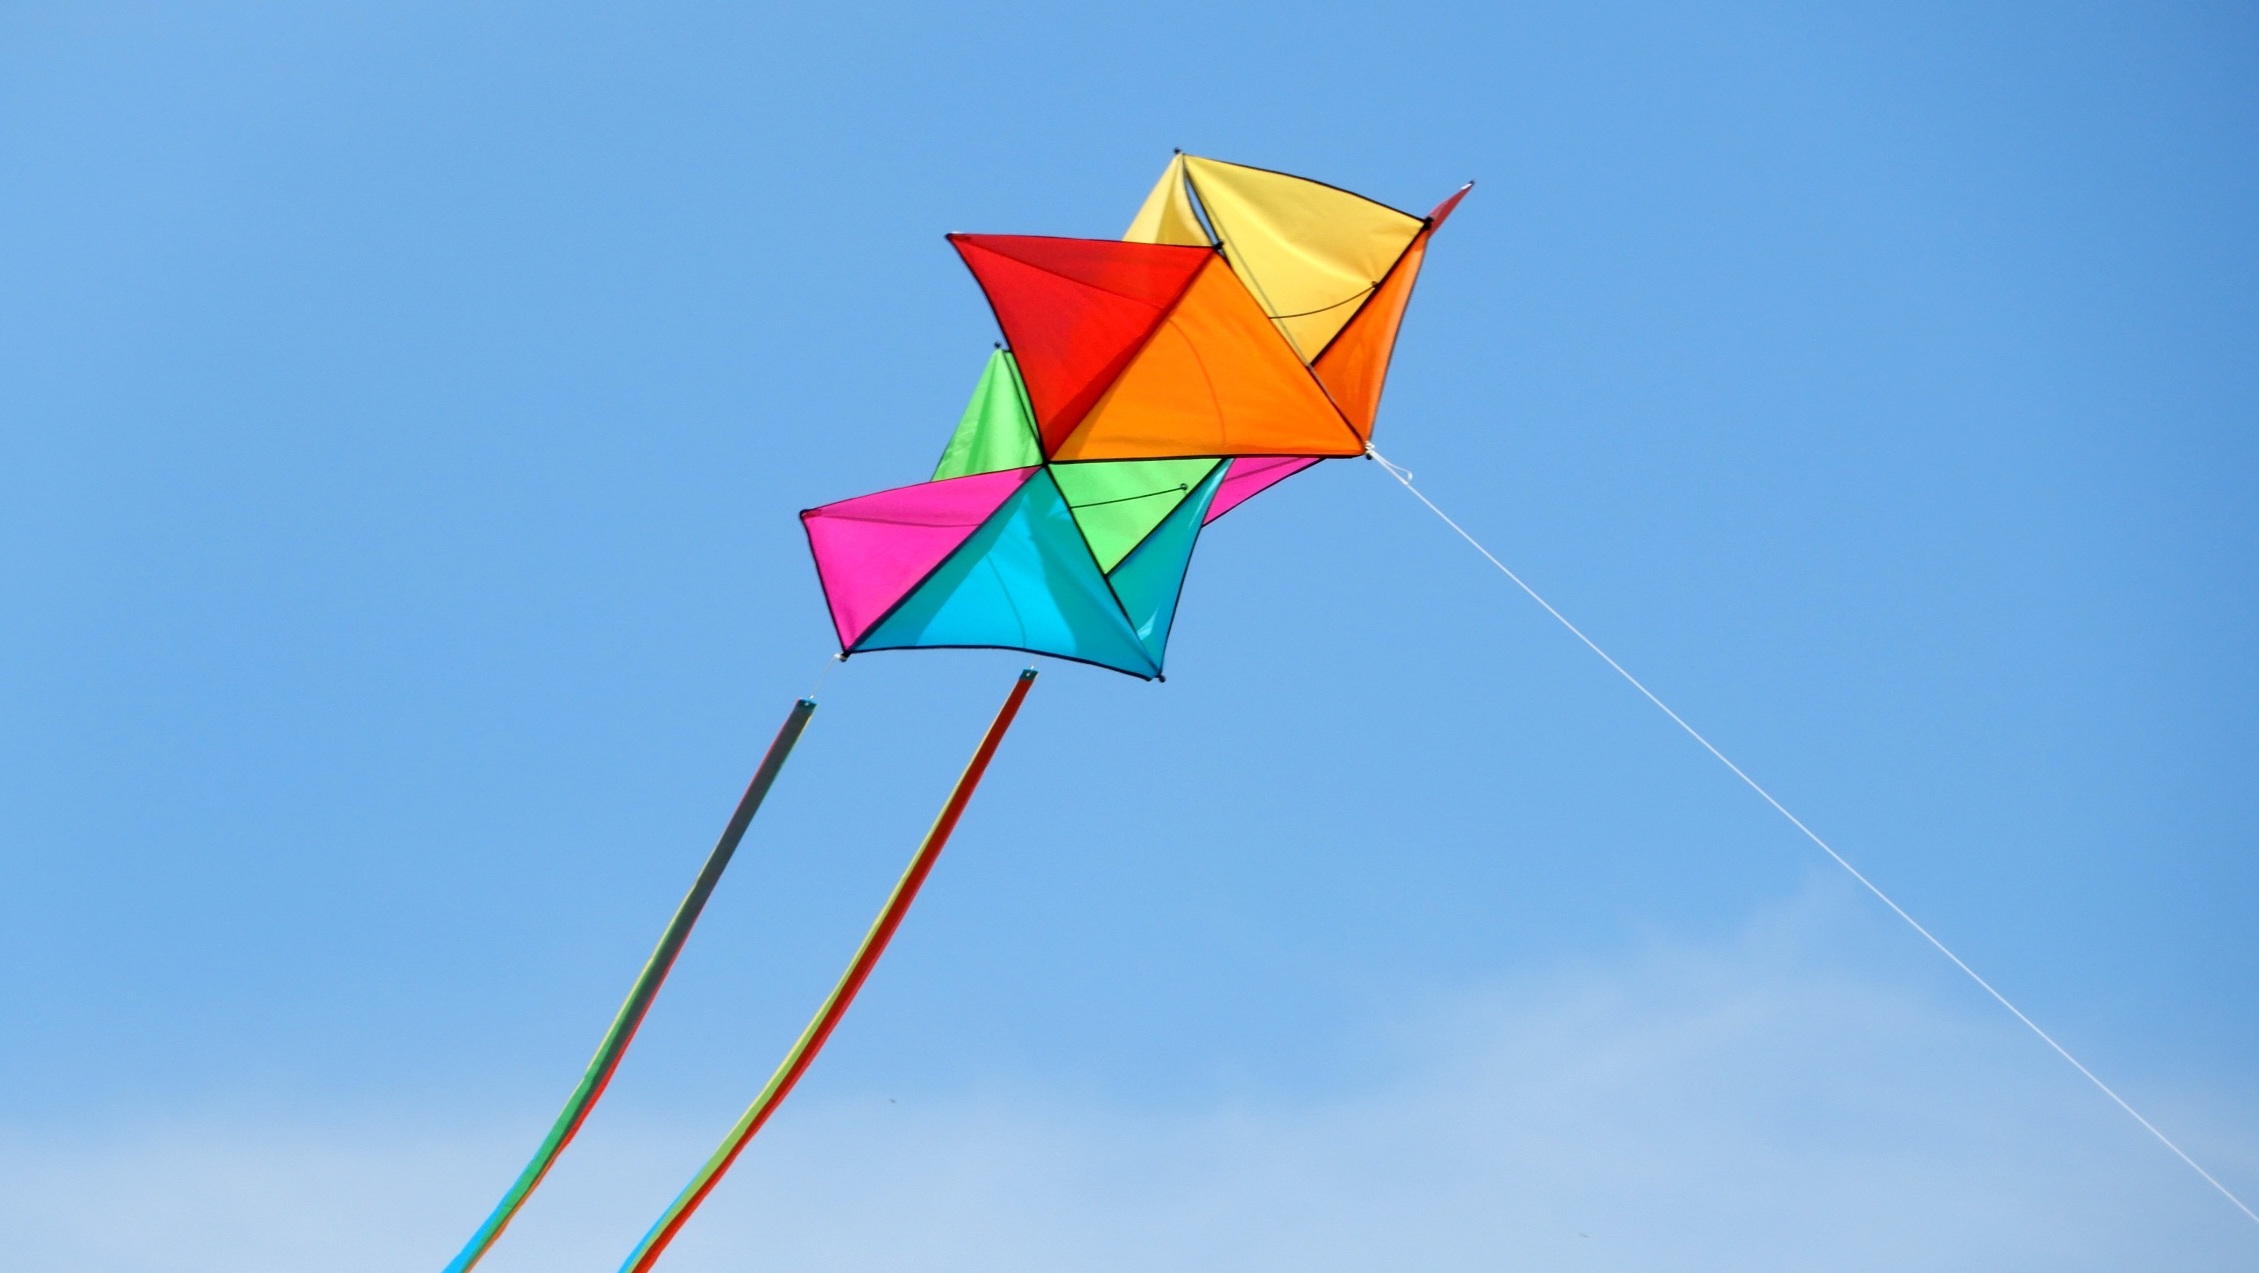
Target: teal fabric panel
(1150,579)
(1024,581)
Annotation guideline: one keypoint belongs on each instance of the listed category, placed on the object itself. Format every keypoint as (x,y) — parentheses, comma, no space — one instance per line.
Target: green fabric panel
(1119,502)
(997,430)
(1149,580)
(1024,581)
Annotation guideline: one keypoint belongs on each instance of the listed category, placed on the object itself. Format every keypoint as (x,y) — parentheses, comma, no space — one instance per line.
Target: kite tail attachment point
(1404,478)
(631,1014)
(830,663)
(827,1018)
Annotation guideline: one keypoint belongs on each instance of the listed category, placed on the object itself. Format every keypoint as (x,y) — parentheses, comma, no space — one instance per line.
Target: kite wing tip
(1444,209)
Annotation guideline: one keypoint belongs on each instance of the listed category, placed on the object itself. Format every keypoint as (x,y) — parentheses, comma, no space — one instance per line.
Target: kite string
(1404,478)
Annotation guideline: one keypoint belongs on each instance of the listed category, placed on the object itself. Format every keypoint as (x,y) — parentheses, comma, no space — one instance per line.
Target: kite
(1239,333)
(1147,386)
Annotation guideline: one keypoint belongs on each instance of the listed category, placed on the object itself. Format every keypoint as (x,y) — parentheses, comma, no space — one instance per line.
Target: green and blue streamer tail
(616,1039)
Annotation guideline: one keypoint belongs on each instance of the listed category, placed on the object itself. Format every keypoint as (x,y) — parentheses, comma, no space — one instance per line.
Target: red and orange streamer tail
(811,1041)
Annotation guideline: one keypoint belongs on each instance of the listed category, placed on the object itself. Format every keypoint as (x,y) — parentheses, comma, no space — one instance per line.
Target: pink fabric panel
(872,550)
(1250,476)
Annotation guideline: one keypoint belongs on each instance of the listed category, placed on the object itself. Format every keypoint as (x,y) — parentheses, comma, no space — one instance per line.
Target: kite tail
(811,1040)
(616,1040)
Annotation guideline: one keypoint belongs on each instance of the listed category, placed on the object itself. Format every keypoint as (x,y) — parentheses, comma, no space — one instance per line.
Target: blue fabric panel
(1149,580)
(1024,581)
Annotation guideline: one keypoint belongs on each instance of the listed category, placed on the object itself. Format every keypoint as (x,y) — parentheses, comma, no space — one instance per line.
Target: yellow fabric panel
(1215,379)
(1167,216)
(1354,365)
(1308,251)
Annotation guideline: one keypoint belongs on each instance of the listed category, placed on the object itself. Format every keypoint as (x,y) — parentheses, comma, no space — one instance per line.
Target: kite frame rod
(1404,478)
(630,1017)
(796,1062)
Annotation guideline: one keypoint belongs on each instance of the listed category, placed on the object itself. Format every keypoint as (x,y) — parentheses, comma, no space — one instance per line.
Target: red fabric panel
(1075,310)
(1442,211)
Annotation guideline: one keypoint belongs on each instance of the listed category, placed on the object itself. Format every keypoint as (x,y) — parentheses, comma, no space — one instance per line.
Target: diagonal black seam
(1091,555)
(1299,177)
(1024,649)
(1360,294)
(1263,299)
(1119,608)
(1134,354)
(1182,575)
(1141,541)
(1393,266)
(1065,238)
(924,579)
(1101,503)
(998,316)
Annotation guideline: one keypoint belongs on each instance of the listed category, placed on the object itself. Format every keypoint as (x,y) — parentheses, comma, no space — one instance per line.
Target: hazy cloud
(1740,1108)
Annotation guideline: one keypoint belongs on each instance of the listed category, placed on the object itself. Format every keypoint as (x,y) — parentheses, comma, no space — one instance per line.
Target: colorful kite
(1238,334)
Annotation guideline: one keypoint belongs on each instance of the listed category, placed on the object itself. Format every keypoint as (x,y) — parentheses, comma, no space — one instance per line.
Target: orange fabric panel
(1354,366)
(1216,378)
(1075,311)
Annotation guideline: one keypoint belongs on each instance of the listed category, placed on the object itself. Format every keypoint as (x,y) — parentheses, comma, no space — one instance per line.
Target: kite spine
(624,1025)
(811,1041)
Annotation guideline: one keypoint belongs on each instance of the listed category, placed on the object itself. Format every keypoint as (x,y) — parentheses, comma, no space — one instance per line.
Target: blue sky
(406,407)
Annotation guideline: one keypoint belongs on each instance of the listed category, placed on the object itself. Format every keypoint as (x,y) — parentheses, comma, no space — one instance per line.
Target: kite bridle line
(1403,477)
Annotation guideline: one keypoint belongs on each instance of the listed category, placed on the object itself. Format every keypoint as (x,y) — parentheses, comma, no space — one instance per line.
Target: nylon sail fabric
(1250,476)
(1238,333)
(1151,577)
(997,429)
(1074,311)
(1118,503)
(1309,252)
(1167,215)
(1214,379)
(871,551)
(1024,581)
(1354,365)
